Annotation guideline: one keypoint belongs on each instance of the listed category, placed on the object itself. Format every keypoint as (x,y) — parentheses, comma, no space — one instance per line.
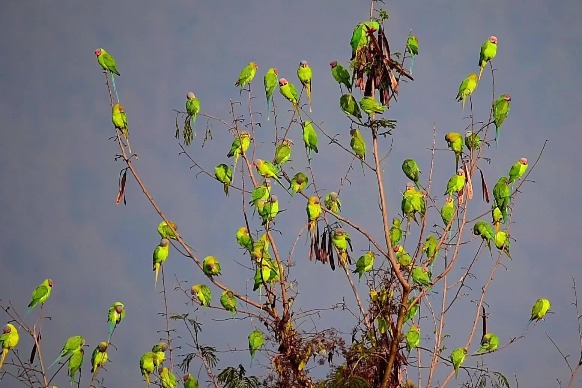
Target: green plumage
(457,357)
(289,91)
(365,263)
(106,61)
(358,143)
(167,378)
(190,381)
(472,141)
(268,209)
(448,211)
(497,217)
(192,110)
(304,73)
(411,170)
(266,272)
(412,337)
(489,343)
(246,75)
(500,112)
(421,276)
(485,230)
(270,81)
(146,365)
(165,231)
(502,195)
(466,88)
(341,240)
(99,357)
(261,192)
(332,202)
(8,340)
(403,257)
(487,53)
(203,293)
(256,341)
(455,142)
(298,183)
(223,174)
(349,106)
(360,37)
(341,75)
(412,45)
(115,315)
(395,232)
(313,212)
(228,302)
(40,294)
(75,363)
(119,119)
(430,248)
(412,202)
(267,169)
(517,170)
(502,242)
(309,137)
(539,309)
(283,152)
(160,255)
(211,266)
(244,239)
(456,183)
(371,106)
(239,145)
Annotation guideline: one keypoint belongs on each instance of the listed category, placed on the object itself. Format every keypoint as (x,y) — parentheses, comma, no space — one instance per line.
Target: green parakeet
(412,309)
(341,240)
(517,170)
(261,248)
(160,255)
(412,47)
(71,345)
(165,231)
(466,88)
(360,37)
(288,90)
(270,81)
(267,272)
(502,242)
(203,293)
(40,294)
(457,358)
(395,231)
(228,301)
(358,144)
(75,363)
(167,378)
(497,216)
(115,315)
(456,183)
(246,75)
(283,152)
(304,73)
(430,248)
(411,170)
(146,365)
(239,145)
(298,183)
(340,74)
(192,110)
(502,195)
(421,276)
(270,209)
(190,381)
(403,257)
(413,337)
(472,141)
(261,192)
(365,263)
(256,341)
(106,61)
(8,340)
(489,343)
(309,137)
(211,266)
(313,212)
(349,106)
(99,357)
(448,211)
(119,119)
(371,106)
(412,202)
(485,230)
(488,52)
(332,202)
(223,174)
(500,112)
(244,239)
(455,142)
(267,169)
(159,354)
(539,309)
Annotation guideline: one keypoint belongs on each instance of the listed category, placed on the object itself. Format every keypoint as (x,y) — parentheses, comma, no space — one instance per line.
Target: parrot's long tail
(268,108)
(308,89)
(4,353)
(57,360)
(497,136)
(114,87)
(411,64)
(157,272)
(481,72)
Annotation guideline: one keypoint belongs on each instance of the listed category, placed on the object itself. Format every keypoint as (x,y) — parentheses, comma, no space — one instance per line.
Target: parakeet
(448,210)
(309,137)
(539,309)
(159,354)
(488,52)
(228,301)
(365,263)
(246,75)
(8,340)
(261,192)
(261,248)
(412,337)
(485,230)
(430,248)
(190,381)
(517,170)
(239,145)
(395,231)
(106,61)
(502,195)
(371,106)
(421,276)
(99,357)
(267,169)
(360,37)
(167,378)
(119,119)
(288,90)
(411,170)
(455,142)
(41,294)
(472,141)
(412,47)
(466,88)
(403,257)
(115,315)
(267,272)
(457,358)
(500,112)
(203,293)
(211,266)
(412,309)
(160,255)
(412,202)
(270,80)
(349,106)
(223,174)
(304,73)
(283,152)
(146,365)
(192,110)
(497,216)
(244,239)
(165,231)
(269,211)
(341,75)
(313,213)
(456,183)
(341,240)
(489,343)
(75,363)
(298,183)
(256,341)
(502,242)
(358,143)
(332,202)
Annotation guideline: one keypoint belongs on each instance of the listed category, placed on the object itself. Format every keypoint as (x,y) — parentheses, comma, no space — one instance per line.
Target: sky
(60,174)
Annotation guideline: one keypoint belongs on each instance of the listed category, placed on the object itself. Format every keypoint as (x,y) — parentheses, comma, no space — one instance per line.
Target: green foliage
(236,378)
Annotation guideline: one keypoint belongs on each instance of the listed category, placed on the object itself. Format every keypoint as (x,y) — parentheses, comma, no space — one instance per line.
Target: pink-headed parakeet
(340,74)
(288,90)
(41,294)
(304,73)
(99,357)
(72,344)
(8,340)
(517,170)
(487,53)
(246,75)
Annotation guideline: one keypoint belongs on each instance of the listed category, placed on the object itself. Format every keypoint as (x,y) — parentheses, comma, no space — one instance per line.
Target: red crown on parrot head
(493,39)
(333,64)
(98,52)
(283,82)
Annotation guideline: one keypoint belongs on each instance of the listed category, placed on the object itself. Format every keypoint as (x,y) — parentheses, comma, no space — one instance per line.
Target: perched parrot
(167,378)
(75,363)
(240,145)
(288,90)
(411,170)
(119,119)
(349,106)
(223,174)
(72,344)
(358,143)
(457,358)
(412,309)
(267,169)
(421,276)
(456,183)
(256,340)
(539,309)
(517,170)
(472,141)
(261,192)
(270,209)
(244,239)
(246,75)
(371,106)
(497,216)
(261,248)
(99,357)
(395,231)
(403,257)
(340,74)
(298,183)
(115,315)
(159,354)
(448,210)
(146,365)
(488,52)
(365,263)
(360,37)
(160,255)
(466,88)
(412,202)
(412,47)
(309,137)
(455,142)
(106,61)
(270,81)
(211,266)
(412,337)
(165,231)
(267,272)
(502,195)
(40,294)
(500,112)
(502,242)
(283,152)
(430,248)
(341,240)
(228,301)
(190,381)
(313,213)
(485,230)
(489,343)
(332,202)
(8,340)
(304,73)
(192,110)
(203,293)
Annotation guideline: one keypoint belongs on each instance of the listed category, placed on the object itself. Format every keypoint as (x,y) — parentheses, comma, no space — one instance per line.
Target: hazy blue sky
(60,177)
